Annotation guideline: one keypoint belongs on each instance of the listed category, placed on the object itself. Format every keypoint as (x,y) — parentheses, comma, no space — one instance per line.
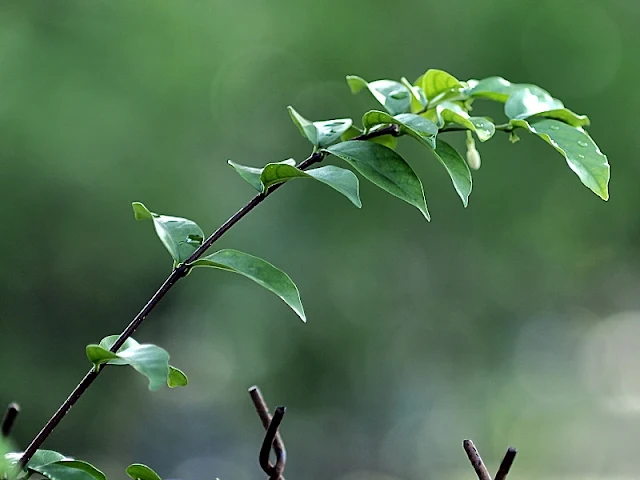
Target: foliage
(434,105)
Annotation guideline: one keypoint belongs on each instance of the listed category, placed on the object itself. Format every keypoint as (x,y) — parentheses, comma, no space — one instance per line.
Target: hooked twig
(13,409)
(272,436)
(506,463)
(274,471)
(476,460)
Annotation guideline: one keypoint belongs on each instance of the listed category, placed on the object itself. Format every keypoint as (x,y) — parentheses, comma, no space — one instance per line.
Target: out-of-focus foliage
(511,322)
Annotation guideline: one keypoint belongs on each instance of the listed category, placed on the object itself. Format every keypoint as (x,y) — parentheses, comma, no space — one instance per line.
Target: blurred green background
(512,322)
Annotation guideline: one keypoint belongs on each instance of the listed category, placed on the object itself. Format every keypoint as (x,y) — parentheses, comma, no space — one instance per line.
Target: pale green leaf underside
(320,134)
(418,98)
(582,154)
(385,168)
(149,360)
(305,126)
(392,95)
(258,270)
(138,471)
(249,174)
(451,112)
(492,88)
(529,101)
(181,237)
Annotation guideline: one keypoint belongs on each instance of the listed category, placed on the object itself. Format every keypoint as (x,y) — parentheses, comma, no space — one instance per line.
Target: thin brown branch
(171,280)
(506,463)
(476,460)
(265,418)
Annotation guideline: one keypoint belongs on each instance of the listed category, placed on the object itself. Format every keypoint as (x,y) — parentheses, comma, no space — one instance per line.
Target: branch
(13,409)
(506,463)
(505,127)
(476,460)
(171,280)
(265,418)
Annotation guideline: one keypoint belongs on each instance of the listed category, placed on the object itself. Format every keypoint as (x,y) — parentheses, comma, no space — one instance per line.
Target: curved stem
(171,280)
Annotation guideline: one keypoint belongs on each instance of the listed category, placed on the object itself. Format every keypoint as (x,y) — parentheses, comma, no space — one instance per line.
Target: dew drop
(554,127)
(582,143)
(580,156)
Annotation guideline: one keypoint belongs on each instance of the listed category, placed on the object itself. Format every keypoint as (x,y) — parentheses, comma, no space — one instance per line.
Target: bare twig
(274,471)
(13,409)
(506,463)
(278,445)
(476,460)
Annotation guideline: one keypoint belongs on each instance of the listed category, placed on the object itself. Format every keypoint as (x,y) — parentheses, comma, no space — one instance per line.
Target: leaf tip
(140,212)
(356,84)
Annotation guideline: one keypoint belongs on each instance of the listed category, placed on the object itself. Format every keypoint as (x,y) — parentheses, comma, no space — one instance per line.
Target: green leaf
(388,141)
(138,471)
(385,168)
(181,237)
(70,470)
(274,173)
(392,95)
(528,101)
(55,466)
(258,270)
(418,98)
(329,131)
(150,360)
(341,180)
(7,468)
(456,167)
(306,127)
(582,154)
(439,84)
(493,88)
(320,134)
(451,112)
(565,115)
(252,175)
(176,378)
(350,133)
(410,124)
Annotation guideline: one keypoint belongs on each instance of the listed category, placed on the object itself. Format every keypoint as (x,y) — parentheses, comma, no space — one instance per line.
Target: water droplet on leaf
(582,143)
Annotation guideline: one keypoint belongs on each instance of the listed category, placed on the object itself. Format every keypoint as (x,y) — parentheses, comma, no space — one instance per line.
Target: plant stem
(171,280)
(505,127)
(476,460)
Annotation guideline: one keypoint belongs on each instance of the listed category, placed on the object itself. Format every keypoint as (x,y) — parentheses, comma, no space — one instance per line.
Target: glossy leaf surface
(149,360)
(392,95)
(258,270)
(181,237)
(410,124)
(456,167)
(581,153)
(138,471)
(385,168)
